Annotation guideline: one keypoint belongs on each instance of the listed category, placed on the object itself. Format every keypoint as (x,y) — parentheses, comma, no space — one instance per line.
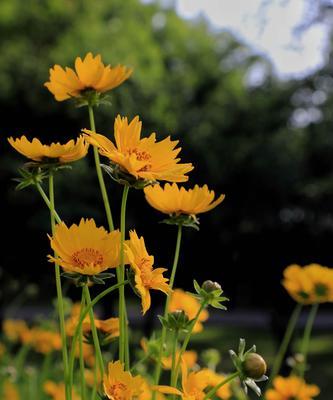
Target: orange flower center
(145,268)
(87,256)
(141,155)
(118,391)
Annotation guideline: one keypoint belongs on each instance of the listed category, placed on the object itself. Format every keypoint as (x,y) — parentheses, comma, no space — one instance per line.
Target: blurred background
(246,86)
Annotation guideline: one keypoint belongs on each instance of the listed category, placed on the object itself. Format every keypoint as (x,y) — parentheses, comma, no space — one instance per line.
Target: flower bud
(210,286)
(254,366)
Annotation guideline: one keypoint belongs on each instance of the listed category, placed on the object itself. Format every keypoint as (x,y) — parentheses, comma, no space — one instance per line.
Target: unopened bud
(210,286)
(254,366)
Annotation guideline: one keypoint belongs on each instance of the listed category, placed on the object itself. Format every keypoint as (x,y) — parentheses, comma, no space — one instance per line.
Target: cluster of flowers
(85,252)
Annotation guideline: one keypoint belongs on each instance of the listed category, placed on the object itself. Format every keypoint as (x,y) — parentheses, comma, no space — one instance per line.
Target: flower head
(309,284)
(42,340)
(10,391)
(175,200)
(14,329)
(120,384)
(181,300)
(224,392)
(145,277)
(142,158)
(190,358)
(291,387)
(55,152)
(84,248)
(90,74)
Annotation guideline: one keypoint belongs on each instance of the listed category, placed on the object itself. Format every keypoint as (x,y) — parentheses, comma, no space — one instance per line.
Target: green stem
(100,174)
(187,338)
(47,201)
(82,317)
(158,367)
(285,343)
(82,378)
(307,336)
(20,359)
(217,387)
(123,335)
(173,381)
(59,294)
(94,330)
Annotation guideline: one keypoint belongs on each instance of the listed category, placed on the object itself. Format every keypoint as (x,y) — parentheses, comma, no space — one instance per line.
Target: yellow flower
(120,384)
(108,326)
(42,341)
(147,393)
(84,248)
(291,387)
(142,158)
(14,329)
(90,73)
(145,276)
(57,391)
(193,385)
(190,358)
(10,391)
(174,200)
(309,284)
(181,300)
(224,392)
(62,153)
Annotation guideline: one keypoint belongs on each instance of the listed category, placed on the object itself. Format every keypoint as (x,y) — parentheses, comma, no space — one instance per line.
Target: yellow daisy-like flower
(14,329)
(193,385)
(174,200)
(145,276)
(120,384)
(42,341)
(291,387)
(224,392)
(84,248)
(90,73)
(57,391)
(186,302)
(309,284)
(143,158)
(62,153)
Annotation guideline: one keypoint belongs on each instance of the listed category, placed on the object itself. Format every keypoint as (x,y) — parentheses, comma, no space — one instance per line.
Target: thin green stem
(82,377)
(82,317)
(285,343)
(217,387)
(47,201)
(59,294)
(94,330)
(158,367)
(173,380)
(20,359)
(307,336)
(123,335)
(187,338)
(100,174)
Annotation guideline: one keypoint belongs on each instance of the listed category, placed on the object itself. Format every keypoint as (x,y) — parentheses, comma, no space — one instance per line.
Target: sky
(268,26)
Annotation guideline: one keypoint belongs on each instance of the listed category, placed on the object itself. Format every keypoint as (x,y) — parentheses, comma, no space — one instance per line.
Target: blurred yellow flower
(310,284)
(90,74)
(120,384)
(109,326)
(190,358)
(14,329)
(84,248)
(145,276)
(291,387)
(193,385)
(224,392)
(181,300)
(142,158)
(10,391)
(62,153)
(42,341)
(147,393)
(57,391)
(174,200)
